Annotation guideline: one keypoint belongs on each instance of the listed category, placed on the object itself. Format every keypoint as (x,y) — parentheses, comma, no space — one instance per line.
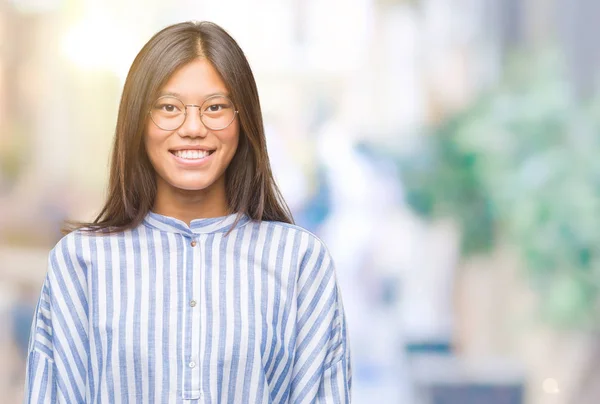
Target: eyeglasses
(216,112)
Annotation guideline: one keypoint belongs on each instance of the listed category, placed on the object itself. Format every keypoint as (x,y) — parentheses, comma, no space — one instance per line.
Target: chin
(189,182)
(192,186)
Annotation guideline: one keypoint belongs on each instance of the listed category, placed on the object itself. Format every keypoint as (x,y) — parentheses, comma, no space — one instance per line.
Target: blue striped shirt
(171,313)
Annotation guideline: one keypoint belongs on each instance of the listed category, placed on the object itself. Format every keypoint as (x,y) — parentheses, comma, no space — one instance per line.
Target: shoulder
(73,255)
(286,231)
(73,243)
(310,250)
(68,246)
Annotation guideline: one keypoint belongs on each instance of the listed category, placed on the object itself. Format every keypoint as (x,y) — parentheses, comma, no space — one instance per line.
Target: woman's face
(191,157)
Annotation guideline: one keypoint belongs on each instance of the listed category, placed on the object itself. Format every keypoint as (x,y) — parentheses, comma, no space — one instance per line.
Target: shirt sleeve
(40,383)
(56,369)
(322,370)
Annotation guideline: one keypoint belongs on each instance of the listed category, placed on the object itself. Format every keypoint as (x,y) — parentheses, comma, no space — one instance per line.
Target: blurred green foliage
(523,165)
(13,152)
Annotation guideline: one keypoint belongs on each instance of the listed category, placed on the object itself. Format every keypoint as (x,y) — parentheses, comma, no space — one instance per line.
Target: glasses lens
(217,112)
(168,113)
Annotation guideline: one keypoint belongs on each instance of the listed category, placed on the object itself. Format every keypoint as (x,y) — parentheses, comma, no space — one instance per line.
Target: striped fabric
(171,313)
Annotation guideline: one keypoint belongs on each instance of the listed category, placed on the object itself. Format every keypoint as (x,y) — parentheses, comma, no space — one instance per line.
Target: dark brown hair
(250,187)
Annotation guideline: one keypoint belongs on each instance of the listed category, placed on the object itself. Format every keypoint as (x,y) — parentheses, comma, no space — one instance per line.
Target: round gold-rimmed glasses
(216,112)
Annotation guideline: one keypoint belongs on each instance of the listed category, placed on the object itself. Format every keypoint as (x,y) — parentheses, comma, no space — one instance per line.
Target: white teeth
(191,154)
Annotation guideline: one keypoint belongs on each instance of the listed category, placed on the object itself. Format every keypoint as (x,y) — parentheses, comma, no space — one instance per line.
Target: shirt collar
(197,226)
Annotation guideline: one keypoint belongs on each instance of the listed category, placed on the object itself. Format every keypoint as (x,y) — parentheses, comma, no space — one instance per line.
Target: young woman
(192,284)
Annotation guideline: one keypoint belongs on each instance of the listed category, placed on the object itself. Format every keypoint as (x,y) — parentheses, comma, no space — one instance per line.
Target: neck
(189,205)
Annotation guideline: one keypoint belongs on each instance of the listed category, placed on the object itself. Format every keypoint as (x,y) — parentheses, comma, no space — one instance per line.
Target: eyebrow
(177,95)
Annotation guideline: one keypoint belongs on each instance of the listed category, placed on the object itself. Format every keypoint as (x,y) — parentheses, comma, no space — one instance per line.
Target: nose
(193,126)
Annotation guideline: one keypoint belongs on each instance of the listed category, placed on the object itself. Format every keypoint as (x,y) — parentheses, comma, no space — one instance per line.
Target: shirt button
(193,243)
(193,303)
(192,364)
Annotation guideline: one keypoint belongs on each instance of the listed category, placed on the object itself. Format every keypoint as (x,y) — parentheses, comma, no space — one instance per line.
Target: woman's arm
(336,379)
(322,371)
(57,354)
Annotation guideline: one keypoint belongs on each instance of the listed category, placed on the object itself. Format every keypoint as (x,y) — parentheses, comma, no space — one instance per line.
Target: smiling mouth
(191,154)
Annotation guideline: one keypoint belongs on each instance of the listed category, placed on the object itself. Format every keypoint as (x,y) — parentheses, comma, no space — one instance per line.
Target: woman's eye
(169,107)
(215,108)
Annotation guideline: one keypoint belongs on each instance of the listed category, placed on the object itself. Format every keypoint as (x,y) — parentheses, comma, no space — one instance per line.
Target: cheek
(231,139)
(152,144)
(233,144)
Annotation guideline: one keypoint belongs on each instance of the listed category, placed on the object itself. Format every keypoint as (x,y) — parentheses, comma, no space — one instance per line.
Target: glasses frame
(185,107)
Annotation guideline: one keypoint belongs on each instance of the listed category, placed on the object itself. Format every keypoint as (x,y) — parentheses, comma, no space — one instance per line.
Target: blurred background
(445,150)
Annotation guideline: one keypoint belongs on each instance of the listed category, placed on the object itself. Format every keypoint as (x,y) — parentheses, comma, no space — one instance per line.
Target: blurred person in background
(192,283)
(21,314)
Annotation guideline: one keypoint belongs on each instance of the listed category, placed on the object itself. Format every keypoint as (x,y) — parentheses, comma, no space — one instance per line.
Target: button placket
(193,358)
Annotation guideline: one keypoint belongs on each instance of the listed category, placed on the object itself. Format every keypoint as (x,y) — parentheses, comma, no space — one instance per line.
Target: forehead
(195,80)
